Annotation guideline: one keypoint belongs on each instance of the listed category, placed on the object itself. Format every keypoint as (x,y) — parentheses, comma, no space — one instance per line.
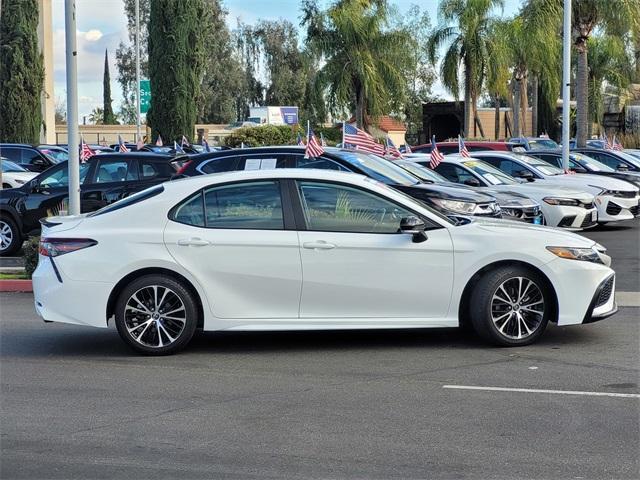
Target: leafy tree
(97,116)
(247,51)
(261,136)
(176,64)
(363,59)
(464,29)
(61,112)
(109,117)
(126,58)
(21,72)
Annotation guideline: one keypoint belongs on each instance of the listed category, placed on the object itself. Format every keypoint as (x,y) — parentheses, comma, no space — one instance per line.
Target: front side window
(338,208)
(115,171)
(155,170)
(60,176)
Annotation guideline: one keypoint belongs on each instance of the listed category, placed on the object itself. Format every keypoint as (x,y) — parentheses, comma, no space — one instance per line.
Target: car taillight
(54,247)
(183,167)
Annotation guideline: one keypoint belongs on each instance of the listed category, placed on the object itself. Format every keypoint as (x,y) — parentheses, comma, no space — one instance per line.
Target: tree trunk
(496,126)
(467,102)
(516,109)
(476,118)
(534,105)
(360,107)
(524,104)
(582,95)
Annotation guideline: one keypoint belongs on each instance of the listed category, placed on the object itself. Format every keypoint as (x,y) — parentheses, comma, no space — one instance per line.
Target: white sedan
(312,250)
(13,175)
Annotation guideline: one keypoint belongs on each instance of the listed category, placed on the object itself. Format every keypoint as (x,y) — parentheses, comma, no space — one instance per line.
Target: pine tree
(108,117)
(21,72)
(176,64)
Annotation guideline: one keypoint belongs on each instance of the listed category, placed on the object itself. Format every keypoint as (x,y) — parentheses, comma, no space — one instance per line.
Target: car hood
(24,176)
(541,190)
(597,181)
(446,192)
(549,236)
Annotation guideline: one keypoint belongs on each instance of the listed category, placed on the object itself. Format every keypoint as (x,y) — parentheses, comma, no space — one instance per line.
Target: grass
(13,276)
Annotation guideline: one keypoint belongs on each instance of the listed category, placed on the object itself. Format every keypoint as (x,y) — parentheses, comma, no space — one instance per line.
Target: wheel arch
(465,299)
(117,289)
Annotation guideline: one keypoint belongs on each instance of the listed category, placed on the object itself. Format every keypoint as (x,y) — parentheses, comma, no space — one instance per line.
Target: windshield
(540,166)
(423,173)
(542,144)
(378,168)
(490,173)
(57,155)
(630,158)
(8,166)
(590,164)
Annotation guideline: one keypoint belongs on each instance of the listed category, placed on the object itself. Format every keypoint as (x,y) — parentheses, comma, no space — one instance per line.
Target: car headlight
(567,202)
(571,253)
(455,206)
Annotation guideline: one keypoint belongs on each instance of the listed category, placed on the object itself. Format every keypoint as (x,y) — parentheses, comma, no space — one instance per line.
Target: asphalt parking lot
(77,404)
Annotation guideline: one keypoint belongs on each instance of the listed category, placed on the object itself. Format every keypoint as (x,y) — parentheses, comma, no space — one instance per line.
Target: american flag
(205,144)
(122,148)
(159,141)
(184,142)
(616,144)
(139,143)
(300,140)
(462,149)
(407,148)
(177,147)
(607,143)
(436,156)
(85,152)
(360,140)
(392,149)
(314,148)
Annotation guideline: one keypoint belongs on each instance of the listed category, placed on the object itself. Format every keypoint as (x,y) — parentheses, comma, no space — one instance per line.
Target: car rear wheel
(511,306)
(156,315)
(10,238)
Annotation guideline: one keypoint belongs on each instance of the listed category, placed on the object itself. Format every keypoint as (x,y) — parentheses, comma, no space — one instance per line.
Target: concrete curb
(16,286)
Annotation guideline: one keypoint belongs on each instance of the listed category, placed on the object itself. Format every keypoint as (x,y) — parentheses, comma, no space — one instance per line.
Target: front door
(233,238)
(356,265)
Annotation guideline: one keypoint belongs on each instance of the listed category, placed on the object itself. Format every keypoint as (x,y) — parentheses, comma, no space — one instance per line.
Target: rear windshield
(130,200)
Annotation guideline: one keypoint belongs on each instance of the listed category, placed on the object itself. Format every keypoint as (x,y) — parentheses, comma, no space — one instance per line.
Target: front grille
(526,214)
(624,194)
(613,209)
(635,210)
(605,293)
(567,221)
(587,222)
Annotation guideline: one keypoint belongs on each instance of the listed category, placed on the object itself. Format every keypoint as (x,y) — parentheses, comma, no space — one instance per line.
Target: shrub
(263,135)
(30,251)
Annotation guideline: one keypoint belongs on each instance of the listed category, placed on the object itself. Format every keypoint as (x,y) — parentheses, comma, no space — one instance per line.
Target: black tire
(10,227)
(488,311)
(144,323)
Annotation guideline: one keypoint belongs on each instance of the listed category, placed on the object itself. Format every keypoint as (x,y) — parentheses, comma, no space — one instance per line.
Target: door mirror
(413,226)
(622,167)
(39,162)
(472,182)
(525,175)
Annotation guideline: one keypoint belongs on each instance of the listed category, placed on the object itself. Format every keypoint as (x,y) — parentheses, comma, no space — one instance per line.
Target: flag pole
(343,123)
(137,6)
(72,106)
(566,85)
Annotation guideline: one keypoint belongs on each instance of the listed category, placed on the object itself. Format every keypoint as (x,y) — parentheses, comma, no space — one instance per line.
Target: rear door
(112,179)
(238,239)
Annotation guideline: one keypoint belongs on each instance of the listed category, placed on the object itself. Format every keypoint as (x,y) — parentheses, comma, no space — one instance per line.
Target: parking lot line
(538,390)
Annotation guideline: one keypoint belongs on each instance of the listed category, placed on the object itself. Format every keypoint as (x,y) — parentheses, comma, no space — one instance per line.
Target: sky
(101,24)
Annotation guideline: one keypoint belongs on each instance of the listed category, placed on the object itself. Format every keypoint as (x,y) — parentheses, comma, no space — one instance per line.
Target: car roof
(22,145)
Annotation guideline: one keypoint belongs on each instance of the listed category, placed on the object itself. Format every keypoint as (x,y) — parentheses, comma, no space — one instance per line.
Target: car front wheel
(156,315)
(10,238)
(511,306)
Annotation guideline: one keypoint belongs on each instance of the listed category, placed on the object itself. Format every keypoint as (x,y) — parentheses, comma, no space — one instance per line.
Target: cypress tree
(108,118)
(176,64)
(21,72)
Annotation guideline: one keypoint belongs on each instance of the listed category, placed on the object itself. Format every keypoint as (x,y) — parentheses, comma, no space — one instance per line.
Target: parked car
(228,252)
(452,147)
(535,143)
(615,199)
(633,152)
(446,199)
(564,207)
(591,143)
(614,159)
(104,179)
(513,206)
(13,175)
(56,152)
(581,163)
(27,156)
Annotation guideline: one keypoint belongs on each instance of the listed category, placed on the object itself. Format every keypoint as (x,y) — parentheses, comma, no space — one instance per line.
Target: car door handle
(193,242)
(319,245)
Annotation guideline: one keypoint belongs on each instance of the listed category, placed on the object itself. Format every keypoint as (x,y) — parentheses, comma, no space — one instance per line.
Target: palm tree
(498,71)
(363,59)
(464,27)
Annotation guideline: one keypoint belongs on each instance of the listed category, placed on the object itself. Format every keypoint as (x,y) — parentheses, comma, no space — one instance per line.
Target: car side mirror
(472,182)
(413,226)
(525,175)
(622,167)
(39,162)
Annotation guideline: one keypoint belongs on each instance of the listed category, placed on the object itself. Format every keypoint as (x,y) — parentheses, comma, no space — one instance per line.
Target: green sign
(145,95)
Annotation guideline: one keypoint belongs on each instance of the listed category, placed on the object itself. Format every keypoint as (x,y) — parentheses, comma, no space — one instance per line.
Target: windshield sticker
(491,179)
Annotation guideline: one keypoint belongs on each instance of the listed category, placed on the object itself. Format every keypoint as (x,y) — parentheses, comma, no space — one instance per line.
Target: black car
(585,163)
(448,200)
(614,159)
(104,179)
(27,156)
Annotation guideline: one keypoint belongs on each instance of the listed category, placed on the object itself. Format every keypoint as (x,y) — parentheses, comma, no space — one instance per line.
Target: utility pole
(566,84)
(72,106)
(138,70)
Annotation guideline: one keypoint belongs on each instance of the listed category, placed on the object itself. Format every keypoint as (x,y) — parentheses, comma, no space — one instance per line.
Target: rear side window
(218,165)
(155,170)
(131,200)
(115,171)
(13,154)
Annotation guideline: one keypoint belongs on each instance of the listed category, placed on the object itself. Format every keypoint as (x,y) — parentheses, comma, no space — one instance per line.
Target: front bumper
(603,304)
(613,209)
(570,217)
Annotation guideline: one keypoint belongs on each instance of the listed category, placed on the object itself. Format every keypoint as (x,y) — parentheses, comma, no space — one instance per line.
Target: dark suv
(104,179)
(447,199)
(26,156)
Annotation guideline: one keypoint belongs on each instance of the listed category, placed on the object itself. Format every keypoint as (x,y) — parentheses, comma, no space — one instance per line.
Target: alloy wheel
(155,316)
(6,235)
(517,308)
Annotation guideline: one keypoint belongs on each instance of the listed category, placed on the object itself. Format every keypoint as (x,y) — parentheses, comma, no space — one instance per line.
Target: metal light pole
(137,70)
(566,84)
(72,106)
